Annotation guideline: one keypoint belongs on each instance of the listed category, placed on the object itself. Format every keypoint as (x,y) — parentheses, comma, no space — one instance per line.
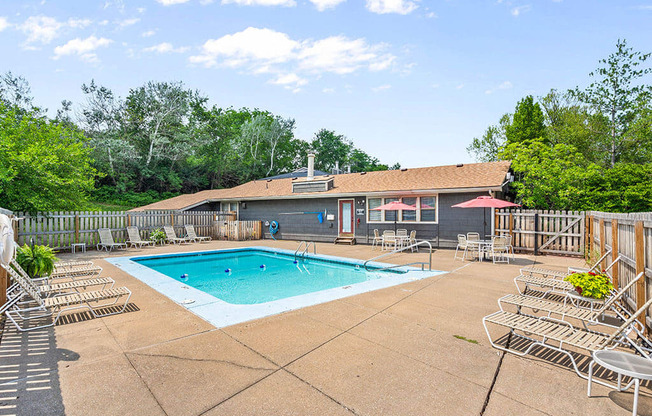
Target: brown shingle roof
(436,178)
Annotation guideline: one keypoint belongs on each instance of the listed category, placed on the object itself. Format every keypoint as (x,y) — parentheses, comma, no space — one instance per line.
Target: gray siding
(452,221)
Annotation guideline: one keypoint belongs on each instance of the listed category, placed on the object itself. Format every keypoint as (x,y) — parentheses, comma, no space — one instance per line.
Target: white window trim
(400,214)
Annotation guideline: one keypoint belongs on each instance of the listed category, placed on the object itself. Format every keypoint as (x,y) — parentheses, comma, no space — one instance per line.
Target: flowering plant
(591,285)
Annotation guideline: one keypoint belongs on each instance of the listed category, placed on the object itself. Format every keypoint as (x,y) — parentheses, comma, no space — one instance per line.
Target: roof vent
(363,173)
(404,170)
(459,165)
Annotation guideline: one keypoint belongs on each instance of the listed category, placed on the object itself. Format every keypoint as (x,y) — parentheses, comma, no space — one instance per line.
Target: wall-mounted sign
(330,217)
(359,211)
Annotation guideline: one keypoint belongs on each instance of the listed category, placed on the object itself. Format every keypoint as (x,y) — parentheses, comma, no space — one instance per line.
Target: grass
(472,341)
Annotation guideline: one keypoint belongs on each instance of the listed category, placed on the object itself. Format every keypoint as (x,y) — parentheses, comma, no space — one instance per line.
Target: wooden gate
(543,231)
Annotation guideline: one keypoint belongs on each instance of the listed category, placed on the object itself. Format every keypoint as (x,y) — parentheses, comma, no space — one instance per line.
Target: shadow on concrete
(71,318)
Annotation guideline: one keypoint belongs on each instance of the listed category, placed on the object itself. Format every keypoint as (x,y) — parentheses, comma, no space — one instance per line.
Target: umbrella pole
(484,223)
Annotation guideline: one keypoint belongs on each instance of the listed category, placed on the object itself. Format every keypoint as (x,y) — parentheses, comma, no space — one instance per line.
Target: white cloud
(431,15)
(127,22)
(391,6)
(292,62)
(3,23)
(504,86)
(41,29)
(328,90)
(148,33)
(517,11)
(82,47)
(79,23)
(284,3)
(141,10)
(290,81)
(459,87)
(103,22)
(322,5)
(165,47)
(381,88)
(171,2)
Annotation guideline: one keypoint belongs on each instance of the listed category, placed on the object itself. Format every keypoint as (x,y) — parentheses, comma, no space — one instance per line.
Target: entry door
(346,217)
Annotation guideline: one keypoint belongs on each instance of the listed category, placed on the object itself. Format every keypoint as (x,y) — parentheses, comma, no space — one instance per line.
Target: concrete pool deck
(399,350)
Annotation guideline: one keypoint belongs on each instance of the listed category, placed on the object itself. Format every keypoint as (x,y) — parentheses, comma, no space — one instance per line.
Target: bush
(591,285)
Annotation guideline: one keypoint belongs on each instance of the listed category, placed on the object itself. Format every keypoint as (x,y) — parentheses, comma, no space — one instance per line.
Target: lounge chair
(554,284)
(56,305)
(74,270)
(192,236)
(499,250)
(134,238)
(541,331)
(106,241)
(171,236)
(558,273)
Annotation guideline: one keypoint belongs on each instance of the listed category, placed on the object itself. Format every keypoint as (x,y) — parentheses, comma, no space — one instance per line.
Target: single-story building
(345,202)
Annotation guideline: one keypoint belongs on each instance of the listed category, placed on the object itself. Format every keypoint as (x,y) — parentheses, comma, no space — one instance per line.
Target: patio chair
(106,241)
(412,241)
(389,238)
(134,238)
(377,239)
(499,250)
(557,273)
(461,244)
(171,236)
(510,247)
(473,236)
(56,305)
(543,331)
(554,284)
(192,236)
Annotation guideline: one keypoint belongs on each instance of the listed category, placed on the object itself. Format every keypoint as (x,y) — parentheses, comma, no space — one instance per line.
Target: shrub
(37,261)
(158,236)
(591,285)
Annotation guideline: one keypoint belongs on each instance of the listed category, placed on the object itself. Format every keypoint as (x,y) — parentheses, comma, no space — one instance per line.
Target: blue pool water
(253,276)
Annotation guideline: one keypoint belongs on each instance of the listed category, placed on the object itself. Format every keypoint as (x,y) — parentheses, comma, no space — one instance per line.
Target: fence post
(128,220)
(614,250)
(172,219)
(536,234)
(76,227)
(602,244)
(639,250)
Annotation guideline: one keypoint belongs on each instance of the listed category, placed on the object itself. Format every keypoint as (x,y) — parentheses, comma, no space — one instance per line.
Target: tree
(488,148)
(331,149)
(44,166)
(617,93)
(15,91)
(527,122)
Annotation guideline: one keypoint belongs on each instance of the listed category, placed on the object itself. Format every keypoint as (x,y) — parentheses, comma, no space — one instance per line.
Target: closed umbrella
(395,206)
(485,201)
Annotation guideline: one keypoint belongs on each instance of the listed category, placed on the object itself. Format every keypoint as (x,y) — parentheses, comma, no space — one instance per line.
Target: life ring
(273,228)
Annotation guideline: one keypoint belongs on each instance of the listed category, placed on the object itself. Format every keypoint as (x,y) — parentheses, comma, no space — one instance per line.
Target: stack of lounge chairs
(107,243)
(545,313)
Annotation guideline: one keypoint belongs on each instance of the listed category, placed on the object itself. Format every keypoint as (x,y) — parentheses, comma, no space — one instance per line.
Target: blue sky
(408,81)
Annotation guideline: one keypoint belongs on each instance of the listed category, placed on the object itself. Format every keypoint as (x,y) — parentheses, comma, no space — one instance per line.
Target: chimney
(311,166)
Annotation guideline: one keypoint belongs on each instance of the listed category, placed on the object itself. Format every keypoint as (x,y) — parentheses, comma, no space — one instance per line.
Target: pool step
(345,240)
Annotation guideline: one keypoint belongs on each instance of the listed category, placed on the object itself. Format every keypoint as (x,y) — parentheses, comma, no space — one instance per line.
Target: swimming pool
(235,285)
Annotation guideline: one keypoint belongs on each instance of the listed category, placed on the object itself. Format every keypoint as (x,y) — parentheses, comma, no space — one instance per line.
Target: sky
(408,81)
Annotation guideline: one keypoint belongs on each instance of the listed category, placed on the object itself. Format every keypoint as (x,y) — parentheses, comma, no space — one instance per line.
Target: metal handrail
(398,250)
(305,249)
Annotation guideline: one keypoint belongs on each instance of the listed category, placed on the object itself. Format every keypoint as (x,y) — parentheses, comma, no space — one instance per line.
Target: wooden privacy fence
(630,237)
(61,229)
(543,231)
(239,230)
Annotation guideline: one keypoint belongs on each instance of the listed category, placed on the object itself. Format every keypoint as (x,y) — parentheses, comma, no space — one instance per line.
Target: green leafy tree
(331,149)
(616,93)
(44,166)
(488,148)
(527,122)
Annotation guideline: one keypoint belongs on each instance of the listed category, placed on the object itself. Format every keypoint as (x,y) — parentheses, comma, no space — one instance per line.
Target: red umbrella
(395,206)
(485,201)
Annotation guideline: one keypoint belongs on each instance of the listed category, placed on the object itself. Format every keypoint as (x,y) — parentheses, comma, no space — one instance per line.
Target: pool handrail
(398,250)
(305,250)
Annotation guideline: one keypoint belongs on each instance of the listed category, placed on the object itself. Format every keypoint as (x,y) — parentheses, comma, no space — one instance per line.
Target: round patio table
(624,364)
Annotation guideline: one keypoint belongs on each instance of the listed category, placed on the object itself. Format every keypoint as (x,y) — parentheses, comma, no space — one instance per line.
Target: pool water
(249,276)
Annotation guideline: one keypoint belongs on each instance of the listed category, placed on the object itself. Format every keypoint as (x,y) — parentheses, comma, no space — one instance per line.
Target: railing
(305,249)
(398,250)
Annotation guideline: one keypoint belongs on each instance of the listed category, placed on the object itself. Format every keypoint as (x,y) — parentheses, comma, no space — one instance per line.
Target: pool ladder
(398,250)
(306,246)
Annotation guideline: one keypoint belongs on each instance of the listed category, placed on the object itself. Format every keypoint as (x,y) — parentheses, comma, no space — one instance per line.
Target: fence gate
(543,231)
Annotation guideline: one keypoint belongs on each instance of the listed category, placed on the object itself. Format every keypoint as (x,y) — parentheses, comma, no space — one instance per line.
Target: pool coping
(221,314)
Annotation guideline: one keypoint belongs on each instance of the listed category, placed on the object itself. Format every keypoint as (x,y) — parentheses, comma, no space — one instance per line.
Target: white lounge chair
(461,245)
(557,273)
(171,236)
(192,236)
(106,241)
(134,238)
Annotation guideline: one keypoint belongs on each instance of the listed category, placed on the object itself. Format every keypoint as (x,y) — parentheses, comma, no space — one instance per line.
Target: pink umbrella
(395,206)
(485,201)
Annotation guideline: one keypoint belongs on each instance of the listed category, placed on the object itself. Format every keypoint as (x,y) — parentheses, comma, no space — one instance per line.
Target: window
(229,207)
(390,215)
(375,215)
(409,215)
(428,209)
